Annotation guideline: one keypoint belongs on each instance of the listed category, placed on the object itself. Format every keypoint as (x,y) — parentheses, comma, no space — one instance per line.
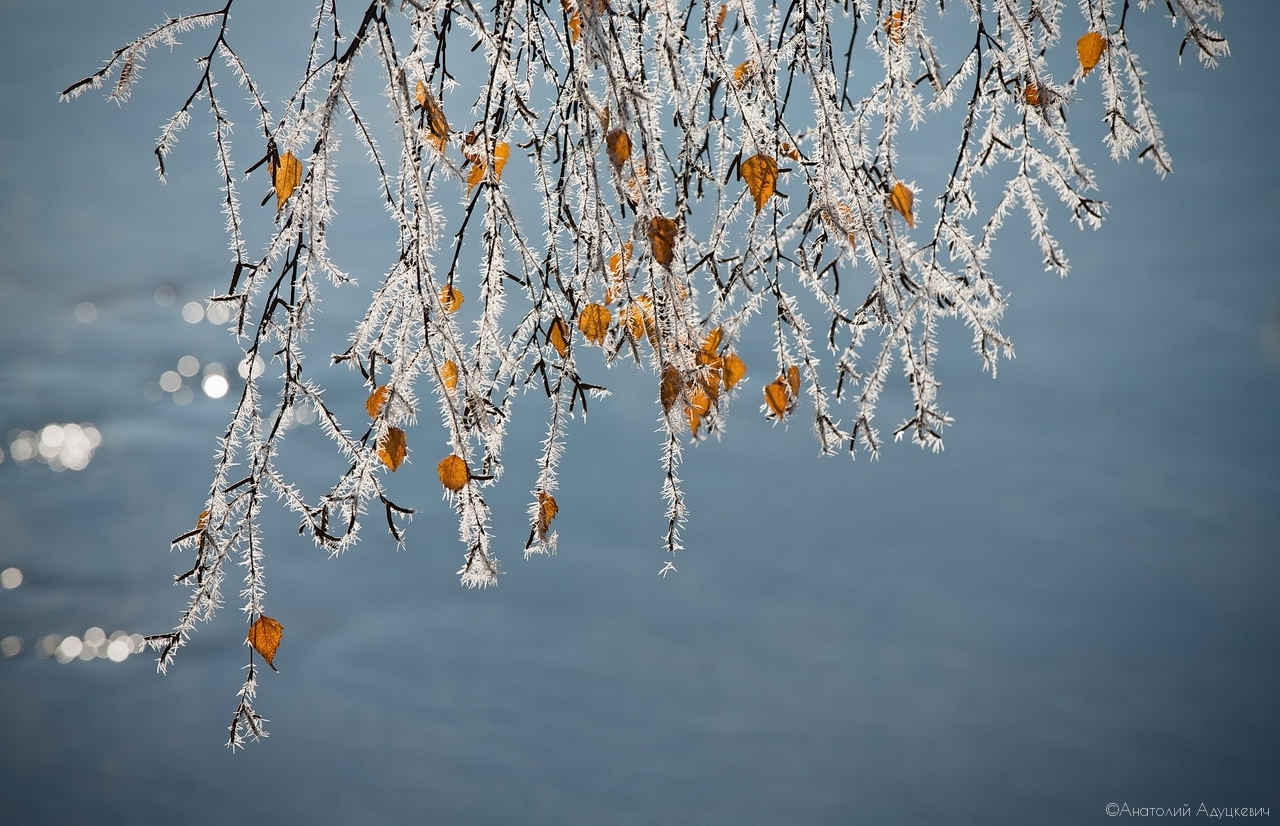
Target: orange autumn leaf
(449,375)
(475,176)
(699,405)
(547,510)
(789,151)
(619,146)
(734,369)
(202,520)
(720,16)
(619,260)
(1031,94)
(559,336)
(781,393)
(893,26)
(392,448)
(437,124)
(662,237)
(285,176)
(761,174)
(265,635)
(376,400)
(775,396)
(501,153)
(451,298)
(453,472)
(710,344)
(575,27)
(1089,49)
(594,322)
(640,319)
(902,199)
(743,72)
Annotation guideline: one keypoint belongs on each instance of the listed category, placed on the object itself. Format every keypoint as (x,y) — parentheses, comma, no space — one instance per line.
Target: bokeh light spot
(10,578)
(192,312)
(86,312)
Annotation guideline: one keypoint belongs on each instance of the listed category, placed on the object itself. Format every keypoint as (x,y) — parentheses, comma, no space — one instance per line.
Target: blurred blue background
(1073,605)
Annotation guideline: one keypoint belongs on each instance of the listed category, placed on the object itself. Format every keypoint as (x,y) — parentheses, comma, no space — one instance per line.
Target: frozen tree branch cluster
(642,178)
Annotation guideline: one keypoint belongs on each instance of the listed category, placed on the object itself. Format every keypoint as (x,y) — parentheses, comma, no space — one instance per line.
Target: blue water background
(1074,604)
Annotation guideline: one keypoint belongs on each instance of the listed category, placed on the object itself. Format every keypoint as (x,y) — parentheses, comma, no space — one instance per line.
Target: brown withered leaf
(451,298)
(559,336)
(594,322)
(793,380)
(669,389)
(449,374)
(392,448)
(547,510)
(662,237)
(734,369)
(710,345)
(1031,94)
(376,400)
(1089,49)
(902,199)
(743,72)
(453,472)
(575,27)
(285,176)
(265,635)
(619,146)
(437,124)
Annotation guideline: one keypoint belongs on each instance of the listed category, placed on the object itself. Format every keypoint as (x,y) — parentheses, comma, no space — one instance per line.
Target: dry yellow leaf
(902,199)
(734,369)
(475,176)
(437,124)
(449,375)
(453,472)
(547,510)
(789,151)
(559,336)
(1031,94)
(285,176)
(793,380)
(575,27)
(619,260)
(1089,49)
(662,236)
(744,72)
(451,298)
(202,520)
(392,448)
(594,322)
(761,174)
(265,635)
(619,146)
(376,400)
